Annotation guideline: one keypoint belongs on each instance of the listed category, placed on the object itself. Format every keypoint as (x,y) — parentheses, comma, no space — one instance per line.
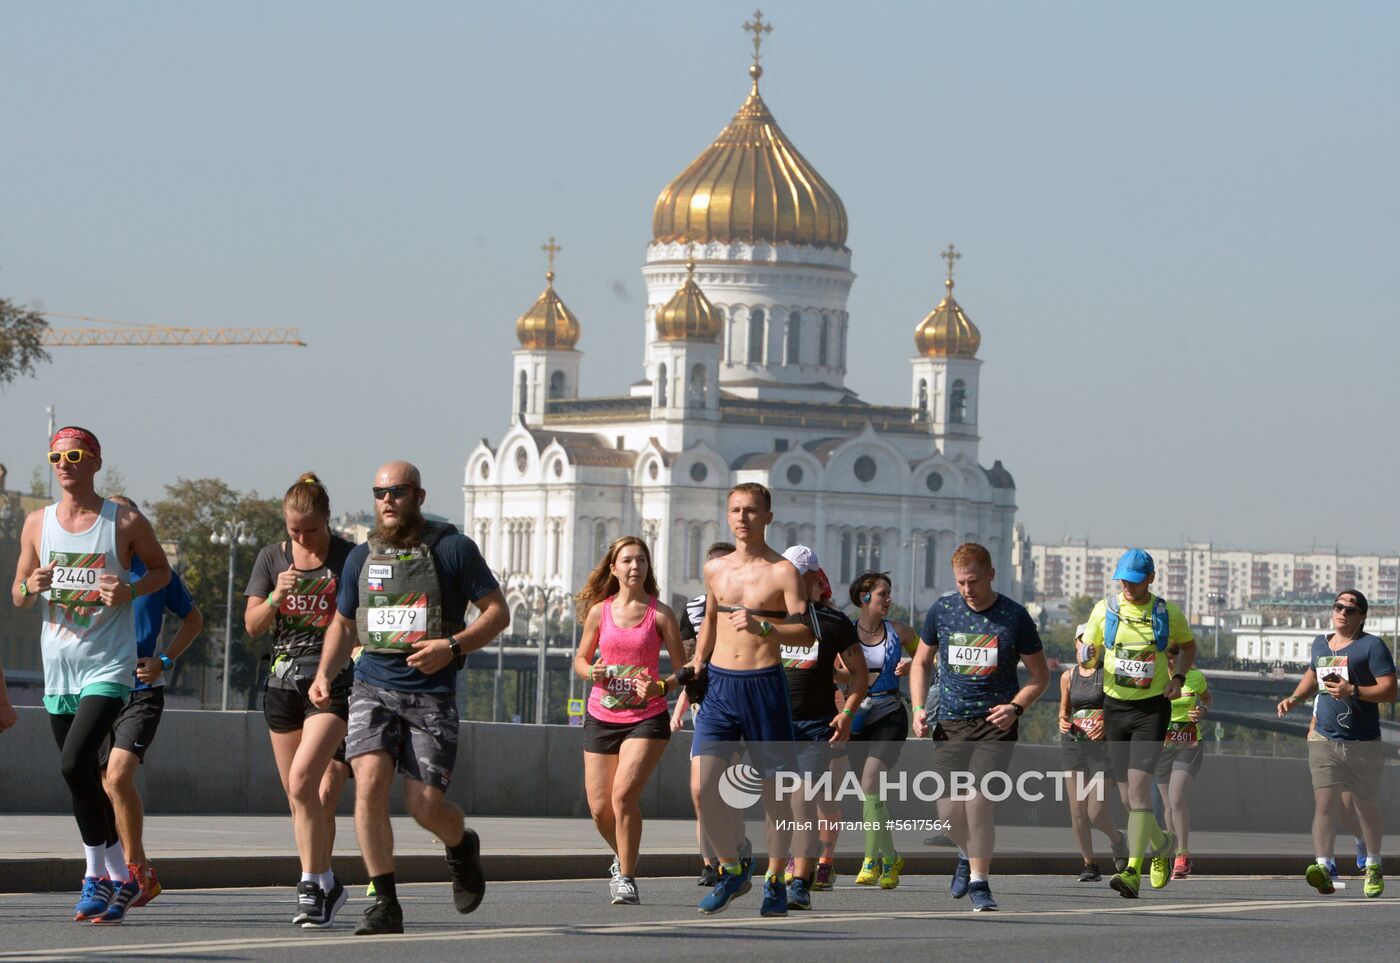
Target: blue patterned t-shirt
(977,653)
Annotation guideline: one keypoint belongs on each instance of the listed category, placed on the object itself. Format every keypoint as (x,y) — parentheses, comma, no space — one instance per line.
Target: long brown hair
(602,583)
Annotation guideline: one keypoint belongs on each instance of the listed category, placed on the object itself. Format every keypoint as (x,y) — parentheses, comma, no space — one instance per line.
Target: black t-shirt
(690,637)
(809,667)
(306,612)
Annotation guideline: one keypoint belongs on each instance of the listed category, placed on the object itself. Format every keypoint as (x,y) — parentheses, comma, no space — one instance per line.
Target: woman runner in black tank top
(1086,755)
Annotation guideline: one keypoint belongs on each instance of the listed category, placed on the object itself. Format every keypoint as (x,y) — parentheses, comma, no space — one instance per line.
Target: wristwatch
(456,646)
(1019,708)
(1178,675)
(166,661)
(24,588)
(764,627)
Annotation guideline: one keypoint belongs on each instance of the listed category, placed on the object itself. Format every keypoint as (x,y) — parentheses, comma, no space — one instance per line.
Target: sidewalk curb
(54,875)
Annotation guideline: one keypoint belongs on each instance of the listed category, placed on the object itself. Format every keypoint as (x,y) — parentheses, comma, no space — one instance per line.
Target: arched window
(523,400)
(875,545)
(841,357)
(696,395)
(756,336)
(556,385)
(661,386)
(930,562)
(791,534)
(846,575)
(862,553)
(823,336)
(957,403)
(794,339)
(923,395)
(600,541)
(696,567)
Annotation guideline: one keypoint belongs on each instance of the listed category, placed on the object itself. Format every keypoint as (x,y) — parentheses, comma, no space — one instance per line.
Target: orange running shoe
(150,886)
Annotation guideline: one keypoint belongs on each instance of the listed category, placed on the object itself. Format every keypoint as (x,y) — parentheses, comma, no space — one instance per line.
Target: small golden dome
(548,324)
(689,315)
(947,332)
(751,185)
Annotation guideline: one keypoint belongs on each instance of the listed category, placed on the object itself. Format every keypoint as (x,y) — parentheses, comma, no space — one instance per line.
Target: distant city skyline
(1175,224)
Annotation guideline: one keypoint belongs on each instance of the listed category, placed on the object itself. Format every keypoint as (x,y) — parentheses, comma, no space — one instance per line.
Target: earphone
(865,597)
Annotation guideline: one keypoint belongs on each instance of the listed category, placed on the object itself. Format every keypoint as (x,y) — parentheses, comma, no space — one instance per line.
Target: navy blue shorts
(815,750)
(752,706)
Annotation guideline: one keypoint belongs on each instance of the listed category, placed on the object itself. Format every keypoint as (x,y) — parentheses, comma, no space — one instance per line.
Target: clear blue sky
(1179,224)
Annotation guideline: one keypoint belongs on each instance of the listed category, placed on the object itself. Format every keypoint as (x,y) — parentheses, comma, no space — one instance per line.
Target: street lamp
(232,534)
(541,598)
(1216,602)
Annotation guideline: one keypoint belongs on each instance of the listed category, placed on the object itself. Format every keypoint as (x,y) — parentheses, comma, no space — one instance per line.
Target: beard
(406,532)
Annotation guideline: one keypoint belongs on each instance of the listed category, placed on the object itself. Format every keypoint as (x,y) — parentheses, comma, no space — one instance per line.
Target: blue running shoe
(1361,855)
(729,888)
(981,894)
(798,898)
(96,895)
(961,875)
(775,901)
(126,894)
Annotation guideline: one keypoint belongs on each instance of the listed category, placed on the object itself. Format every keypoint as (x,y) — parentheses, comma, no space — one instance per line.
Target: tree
(112,482)
(21,341)
(39,483)
(185,517)
(1079,608)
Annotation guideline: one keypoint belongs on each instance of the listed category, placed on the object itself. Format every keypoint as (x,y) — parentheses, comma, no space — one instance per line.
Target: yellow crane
(116,333)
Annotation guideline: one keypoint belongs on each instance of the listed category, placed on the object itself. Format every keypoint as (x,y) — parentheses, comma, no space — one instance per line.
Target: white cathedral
(747,335)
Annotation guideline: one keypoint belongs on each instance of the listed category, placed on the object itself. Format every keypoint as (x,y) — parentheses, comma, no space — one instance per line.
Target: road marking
(649,927)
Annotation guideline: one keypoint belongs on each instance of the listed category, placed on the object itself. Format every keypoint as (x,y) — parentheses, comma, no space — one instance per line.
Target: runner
(1345,751)
(76,554)
(691,696)
(819,731)
(292,591)
(404,595)
(978,635)
(882,723)
(136,727)
(626,727)
(754,606)
(1135,628)
(1181,758)
(1086,755)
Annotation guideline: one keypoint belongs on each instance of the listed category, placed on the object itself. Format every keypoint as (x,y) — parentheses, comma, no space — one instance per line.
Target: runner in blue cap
(1135,628)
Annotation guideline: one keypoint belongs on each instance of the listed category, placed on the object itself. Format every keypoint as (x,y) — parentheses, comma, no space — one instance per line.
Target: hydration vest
(401,594)
(1161,622)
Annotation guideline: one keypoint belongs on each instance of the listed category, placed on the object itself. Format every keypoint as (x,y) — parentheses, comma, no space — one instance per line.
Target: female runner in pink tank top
(627,724)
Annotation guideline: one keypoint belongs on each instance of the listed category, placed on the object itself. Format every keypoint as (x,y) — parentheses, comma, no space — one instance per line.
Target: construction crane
(119,333)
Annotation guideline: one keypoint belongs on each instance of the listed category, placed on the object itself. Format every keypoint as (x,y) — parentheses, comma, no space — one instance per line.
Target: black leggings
(80,737)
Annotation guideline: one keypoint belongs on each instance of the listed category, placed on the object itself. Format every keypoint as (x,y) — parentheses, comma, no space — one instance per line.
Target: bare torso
(740,582)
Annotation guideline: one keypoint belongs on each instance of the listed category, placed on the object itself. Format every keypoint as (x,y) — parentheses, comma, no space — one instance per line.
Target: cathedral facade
(746,344)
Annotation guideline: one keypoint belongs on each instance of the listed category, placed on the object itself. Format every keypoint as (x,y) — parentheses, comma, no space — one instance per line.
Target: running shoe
(962,875)
(729,888)
(870,871)
(370,891)
(1182,867)
(124,896)
(96,895)
(941,839)
(615,870)
(1375,883)
(1090,873)
(709,875)
(381,917)
(1319,879)
(981,894)
(1331,865)
(798,896)
(468,881)
(1361,855)
(1120,852)
(826,877)
(746,856)
(790,871)
(311,902)
(150,886)
(889,879)
(1160,872)
(1127,883)
(775,902)
(331,903)
(624,891)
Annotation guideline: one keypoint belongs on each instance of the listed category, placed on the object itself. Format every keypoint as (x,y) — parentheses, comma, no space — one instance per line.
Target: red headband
(88,439)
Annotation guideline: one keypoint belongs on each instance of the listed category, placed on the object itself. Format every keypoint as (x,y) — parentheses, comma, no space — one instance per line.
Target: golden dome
(947,332)
(548,324)
(751,185)
(689,315)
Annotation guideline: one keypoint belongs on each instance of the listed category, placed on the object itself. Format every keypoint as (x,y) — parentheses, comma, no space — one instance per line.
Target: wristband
(662,683)
(918,708)
(271,604)
(848,712)
(166,661)
(134,594)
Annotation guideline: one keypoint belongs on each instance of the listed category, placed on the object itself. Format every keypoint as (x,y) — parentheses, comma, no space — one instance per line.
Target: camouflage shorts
(417,729)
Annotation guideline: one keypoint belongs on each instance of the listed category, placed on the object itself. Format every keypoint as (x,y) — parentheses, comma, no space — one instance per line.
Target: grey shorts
(417,729)
(1355,766)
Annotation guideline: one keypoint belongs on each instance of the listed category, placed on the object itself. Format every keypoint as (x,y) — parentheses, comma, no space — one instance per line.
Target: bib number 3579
(398,618)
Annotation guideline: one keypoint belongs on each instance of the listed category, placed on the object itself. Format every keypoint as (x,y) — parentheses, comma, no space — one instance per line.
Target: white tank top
(83,641)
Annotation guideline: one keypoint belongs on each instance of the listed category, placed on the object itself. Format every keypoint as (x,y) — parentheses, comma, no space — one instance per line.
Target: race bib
(619,693)
(75,578)
(1084,721)
(1135,673)
(1328,665)
(397,621)
(310,604)
(799,656)
(1181,733)
(970,654)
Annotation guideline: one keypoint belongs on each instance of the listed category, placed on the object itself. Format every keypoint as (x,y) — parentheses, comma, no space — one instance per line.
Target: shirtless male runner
(754,606)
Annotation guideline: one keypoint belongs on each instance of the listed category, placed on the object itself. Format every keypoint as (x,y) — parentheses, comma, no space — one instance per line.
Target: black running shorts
(135,728)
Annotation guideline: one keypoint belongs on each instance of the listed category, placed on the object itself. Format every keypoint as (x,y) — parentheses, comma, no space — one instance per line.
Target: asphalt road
(1041,918)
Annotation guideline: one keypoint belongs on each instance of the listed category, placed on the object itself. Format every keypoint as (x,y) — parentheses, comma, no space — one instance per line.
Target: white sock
(978,877)
(311,877)
(96,860)
(326,881)
(1372,860)
(116,864)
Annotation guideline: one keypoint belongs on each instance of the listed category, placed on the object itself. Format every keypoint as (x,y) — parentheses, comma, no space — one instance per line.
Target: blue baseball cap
(1135,566)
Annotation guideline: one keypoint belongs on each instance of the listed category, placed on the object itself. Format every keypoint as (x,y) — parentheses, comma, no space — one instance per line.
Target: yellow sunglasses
(72,455)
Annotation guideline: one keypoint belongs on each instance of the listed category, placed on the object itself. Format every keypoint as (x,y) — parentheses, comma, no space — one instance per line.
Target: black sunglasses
(1348,609)
(392,491)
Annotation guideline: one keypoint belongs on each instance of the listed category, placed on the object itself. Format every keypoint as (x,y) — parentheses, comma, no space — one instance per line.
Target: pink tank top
(627,653)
